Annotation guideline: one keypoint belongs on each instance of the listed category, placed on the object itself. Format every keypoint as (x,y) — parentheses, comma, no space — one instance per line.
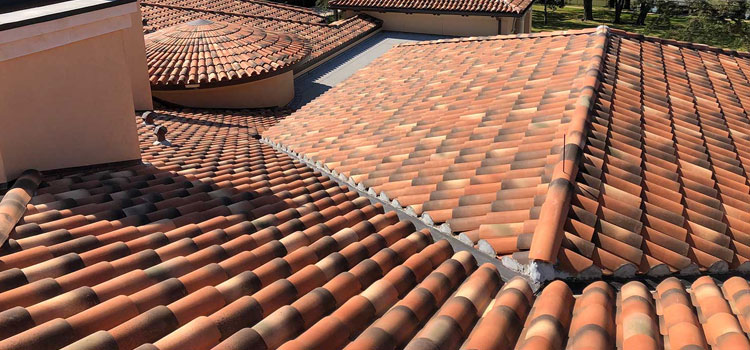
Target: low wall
(275,91)
(436,24)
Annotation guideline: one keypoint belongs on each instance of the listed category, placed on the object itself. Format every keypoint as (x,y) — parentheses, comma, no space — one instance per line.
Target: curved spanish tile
(662,186)
(205,52)
(490,7)
(621,155)
(324,38)
(464,131)
(13,202)
(261,8)
(217,241)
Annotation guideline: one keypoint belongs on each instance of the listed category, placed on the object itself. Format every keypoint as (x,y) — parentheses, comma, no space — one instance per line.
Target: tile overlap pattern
(472,6)
(324,38)
(124,256)
(258,8)
(217,241)
(663,186)
(202,51)
(656,185)
(468,139)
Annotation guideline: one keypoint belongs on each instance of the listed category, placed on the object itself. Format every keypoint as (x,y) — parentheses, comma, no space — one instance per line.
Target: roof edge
(505,37)
(678,43)
(411,10)
(514,11)
(548,234)
(227,13)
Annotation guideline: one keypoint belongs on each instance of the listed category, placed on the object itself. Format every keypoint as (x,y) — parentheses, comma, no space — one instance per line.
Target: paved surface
(317,81)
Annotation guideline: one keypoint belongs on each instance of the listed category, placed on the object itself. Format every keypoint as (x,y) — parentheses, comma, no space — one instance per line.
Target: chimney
(73,73)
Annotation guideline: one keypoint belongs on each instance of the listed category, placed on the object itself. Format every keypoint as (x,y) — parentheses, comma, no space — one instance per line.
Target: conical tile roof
(207,52)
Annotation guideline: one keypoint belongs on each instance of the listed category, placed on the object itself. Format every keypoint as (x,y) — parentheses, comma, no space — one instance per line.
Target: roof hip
(549,232)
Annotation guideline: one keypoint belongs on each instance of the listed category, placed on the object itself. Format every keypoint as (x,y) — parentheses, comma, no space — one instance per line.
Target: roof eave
(428,11)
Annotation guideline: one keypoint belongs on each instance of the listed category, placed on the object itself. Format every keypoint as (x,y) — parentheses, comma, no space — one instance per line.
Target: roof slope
(470,131)
(259,8)
(139,251)
(201,52)
(324,38)
(466,131)
(483,7)
(663,185)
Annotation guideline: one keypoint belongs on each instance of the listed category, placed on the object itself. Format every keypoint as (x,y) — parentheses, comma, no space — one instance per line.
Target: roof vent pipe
(161,136)
(148,117)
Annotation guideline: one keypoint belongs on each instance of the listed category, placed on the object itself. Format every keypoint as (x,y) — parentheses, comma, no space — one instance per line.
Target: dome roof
(215,53)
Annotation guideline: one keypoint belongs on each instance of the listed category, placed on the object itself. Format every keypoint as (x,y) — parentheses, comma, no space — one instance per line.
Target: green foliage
(550,5)
(719,23)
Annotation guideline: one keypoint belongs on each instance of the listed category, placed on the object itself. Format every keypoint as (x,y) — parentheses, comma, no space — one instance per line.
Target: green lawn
(569,17)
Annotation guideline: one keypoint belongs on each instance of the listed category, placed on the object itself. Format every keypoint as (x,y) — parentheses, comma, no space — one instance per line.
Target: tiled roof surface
(203,226)
(218,241)
(258,8)
(470,131)
(467,131)
(324,38)
(663,185)
(202,51)
(494,7)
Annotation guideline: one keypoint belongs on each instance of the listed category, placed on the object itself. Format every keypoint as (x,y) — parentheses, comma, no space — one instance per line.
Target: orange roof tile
(591,150)
(476,7)
(218,241)
(205,52)
(662,185)
(324,38)
(125,255)
(467,131)
(259,8)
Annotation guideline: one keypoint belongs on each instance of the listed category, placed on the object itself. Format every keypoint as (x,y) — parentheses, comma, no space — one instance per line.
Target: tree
(644,7)
(721,23)
(619,5)
(551,5)
(588,9)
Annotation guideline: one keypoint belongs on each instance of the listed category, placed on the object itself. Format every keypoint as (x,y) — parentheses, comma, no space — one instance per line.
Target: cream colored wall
(67,106)
(272,92)
(135,50)
(449,24)
(434,24)
(527,21)
(506,25)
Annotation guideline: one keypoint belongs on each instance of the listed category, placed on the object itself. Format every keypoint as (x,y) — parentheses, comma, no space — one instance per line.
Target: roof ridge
(505,37)
(285,6)
(148,3)
(548,233)
(678,43)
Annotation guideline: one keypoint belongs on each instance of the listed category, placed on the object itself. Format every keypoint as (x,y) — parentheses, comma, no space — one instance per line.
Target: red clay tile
(204,52)
(324,38)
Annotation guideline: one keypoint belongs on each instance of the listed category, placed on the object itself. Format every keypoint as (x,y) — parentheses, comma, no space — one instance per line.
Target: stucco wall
(448,24)
(434,24)
(272,92)
(58,112)
(527,21)
(135,49)
(67,91)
